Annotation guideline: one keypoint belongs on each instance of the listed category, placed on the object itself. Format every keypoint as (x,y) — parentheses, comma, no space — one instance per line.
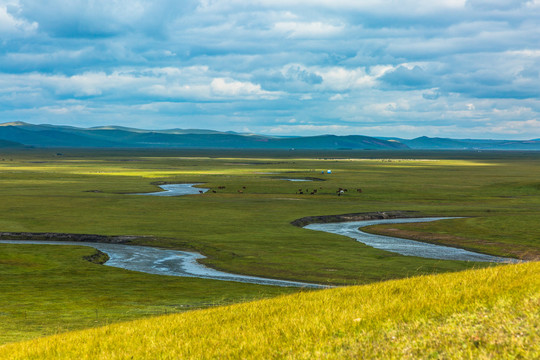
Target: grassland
(50,289)
(476,314)
(247,232)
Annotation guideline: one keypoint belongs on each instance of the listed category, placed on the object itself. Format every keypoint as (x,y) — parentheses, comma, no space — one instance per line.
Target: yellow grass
(477,314)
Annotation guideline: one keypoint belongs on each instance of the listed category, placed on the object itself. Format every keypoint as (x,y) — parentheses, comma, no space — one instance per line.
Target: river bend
(403,246)
(184,263)
(176,190)
(165,262)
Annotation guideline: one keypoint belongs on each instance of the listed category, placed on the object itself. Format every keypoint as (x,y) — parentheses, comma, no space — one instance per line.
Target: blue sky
(448,68)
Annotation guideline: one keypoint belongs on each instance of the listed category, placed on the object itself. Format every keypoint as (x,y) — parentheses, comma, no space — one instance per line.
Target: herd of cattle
(339,191)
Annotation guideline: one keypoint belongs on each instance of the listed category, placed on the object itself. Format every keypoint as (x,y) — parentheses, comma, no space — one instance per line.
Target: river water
(176,190)
(403,246)
(184,263)
(165,262)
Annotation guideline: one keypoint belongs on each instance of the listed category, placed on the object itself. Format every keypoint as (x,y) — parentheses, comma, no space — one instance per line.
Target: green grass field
(482,314)
(45,290)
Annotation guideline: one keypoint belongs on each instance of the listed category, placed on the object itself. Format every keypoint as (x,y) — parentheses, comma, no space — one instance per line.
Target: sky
(408,68)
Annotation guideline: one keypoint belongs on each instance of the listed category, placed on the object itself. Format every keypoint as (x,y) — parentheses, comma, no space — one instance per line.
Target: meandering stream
(184,263)
(176,190)
(164,262)
(403,246)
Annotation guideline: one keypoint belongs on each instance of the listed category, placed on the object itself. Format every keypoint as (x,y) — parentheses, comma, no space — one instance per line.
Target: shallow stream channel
(184,263)
(403,246)
(164,262)
(176,190)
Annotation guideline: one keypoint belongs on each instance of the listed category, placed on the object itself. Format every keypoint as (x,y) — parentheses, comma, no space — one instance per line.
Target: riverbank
(376,215)
(406,247)
(404,231)
(156,261)
(53,236)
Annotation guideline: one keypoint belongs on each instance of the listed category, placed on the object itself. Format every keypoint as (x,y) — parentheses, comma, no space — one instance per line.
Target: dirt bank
(68,237)
(323,219)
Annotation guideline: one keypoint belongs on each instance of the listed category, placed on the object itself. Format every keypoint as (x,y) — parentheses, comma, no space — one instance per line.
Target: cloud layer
(449,68)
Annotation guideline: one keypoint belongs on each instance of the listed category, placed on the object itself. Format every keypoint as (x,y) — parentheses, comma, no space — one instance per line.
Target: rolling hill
(10,144)
(475,314)
(121,137)
(49,136)
(425,142)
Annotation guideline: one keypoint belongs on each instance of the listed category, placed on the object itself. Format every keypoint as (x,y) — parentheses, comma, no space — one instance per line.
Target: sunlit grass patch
(488,313)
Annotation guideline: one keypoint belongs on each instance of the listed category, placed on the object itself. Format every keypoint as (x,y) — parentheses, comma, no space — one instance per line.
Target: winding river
(176,190)
(403,246)
(183,263)
(164,262)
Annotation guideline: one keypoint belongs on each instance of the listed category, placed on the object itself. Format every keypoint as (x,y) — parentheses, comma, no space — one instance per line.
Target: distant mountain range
(9,144)
(19,134)
(427,143)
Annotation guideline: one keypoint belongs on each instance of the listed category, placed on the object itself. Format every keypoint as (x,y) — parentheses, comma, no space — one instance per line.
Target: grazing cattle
(214,191)
(221,187)
(359,190)
(301,193)
(243,187)
(240,192)
(201,192)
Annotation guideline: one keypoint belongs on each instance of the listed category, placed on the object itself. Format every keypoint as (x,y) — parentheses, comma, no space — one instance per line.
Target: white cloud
(340,79)
(63,110)
(237,89)
(452,65)
(305,129)
(338,97)
(311,30)
(11,25)
(524,128)
(343,5)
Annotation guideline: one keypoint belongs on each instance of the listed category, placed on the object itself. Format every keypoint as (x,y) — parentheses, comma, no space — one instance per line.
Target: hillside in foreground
(476,314)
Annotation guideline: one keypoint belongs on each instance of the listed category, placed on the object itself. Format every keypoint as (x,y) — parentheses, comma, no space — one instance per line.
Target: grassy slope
(479,314)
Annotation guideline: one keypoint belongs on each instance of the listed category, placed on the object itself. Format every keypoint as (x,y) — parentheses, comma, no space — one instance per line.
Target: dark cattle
(201,192)
(359,190)
(214,191)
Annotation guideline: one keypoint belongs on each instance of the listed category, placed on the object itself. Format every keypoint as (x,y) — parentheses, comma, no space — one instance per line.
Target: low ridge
(475,314)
